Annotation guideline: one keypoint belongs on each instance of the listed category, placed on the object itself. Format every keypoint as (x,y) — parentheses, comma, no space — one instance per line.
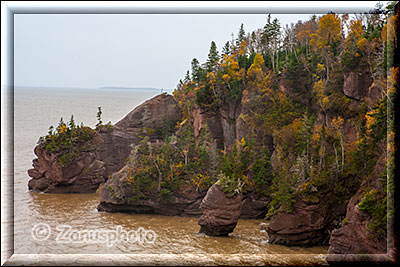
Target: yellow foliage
(255,71)
(390,28)
(296,124)
(356,29)
(318,87)
(62,129)
(179,165)
(392,80)
(325,100)
(231,65)
(361,44)
(370,121)
(320,68)
(226,77)
(242,49)
(211,77)
(313,41)
(329,27)
(338,123)
(317,134)
(242,142)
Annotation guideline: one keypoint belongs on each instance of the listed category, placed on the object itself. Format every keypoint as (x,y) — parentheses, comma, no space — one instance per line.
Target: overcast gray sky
(127,50)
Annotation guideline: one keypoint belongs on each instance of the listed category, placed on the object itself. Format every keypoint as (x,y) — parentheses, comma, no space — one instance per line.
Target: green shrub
(67,140)
(230,186)
(166,195)
(375,206)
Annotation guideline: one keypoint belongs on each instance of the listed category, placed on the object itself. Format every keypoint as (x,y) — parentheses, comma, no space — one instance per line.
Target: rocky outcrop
(309,224)
(212,120)
(220,213)
(153,118)
(117,196)
(354,237)
(111,147)
(83,175)
(230,113)
(356,84)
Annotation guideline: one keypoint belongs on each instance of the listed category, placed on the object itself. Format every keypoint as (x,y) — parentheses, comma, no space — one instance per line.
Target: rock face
(220,213)
(83,175)
(352,237)
(254,206)
(309,224)
(200,119)
(152,118)
(112,146)
(116,197)
(356,84)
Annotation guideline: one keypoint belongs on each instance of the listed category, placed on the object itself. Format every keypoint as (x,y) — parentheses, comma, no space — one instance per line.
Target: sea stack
(220,212)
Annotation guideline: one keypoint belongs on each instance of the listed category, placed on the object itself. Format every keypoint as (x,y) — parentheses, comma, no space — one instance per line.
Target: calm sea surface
(34,111)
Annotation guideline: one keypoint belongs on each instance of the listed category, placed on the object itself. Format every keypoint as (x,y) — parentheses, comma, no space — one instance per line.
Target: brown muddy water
(70,223)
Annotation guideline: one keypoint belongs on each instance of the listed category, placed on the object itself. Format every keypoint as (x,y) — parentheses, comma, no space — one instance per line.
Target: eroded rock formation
(83,175)
(117,196)
(220,213)
(354,237)
(309,224)
(109,150)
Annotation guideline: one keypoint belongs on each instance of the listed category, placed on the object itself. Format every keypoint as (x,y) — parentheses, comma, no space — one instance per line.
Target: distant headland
(129,88)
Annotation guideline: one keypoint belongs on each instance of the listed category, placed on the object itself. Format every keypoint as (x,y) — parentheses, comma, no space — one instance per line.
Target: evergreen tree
(195,70)
(226,49)
(271,40)
(241,35)
(213,57)
(71,123)
(187,77)
(99,112)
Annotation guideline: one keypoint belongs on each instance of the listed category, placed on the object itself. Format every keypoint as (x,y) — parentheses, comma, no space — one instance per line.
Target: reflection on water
(33,113)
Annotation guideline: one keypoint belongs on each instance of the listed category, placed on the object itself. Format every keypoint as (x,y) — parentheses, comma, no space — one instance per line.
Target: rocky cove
(104,163)
(298,142)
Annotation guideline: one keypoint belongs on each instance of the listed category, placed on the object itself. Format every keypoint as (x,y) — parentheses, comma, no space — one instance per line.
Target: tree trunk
(342,146)
(159,176)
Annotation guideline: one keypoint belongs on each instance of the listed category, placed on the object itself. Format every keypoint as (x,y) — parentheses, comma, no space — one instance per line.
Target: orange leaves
(392,81)
(329,31)
(313,41)
(356,29)
(329,27)
(390,28)
(317,134)
(296,124)
(226,77)
(305,31)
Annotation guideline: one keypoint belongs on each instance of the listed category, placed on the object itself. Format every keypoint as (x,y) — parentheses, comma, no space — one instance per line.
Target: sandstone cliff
(108,152)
